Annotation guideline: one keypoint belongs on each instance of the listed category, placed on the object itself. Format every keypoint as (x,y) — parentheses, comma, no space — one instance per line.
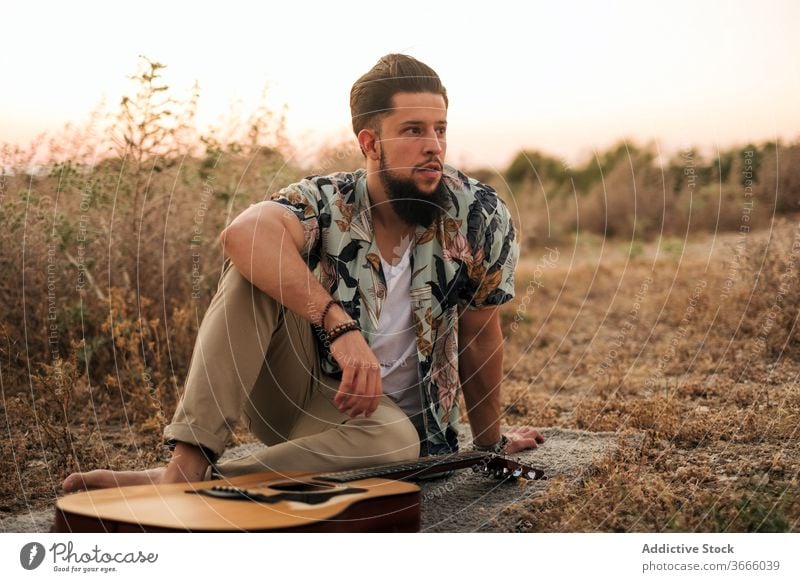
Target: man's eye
(442,130)
(413,130)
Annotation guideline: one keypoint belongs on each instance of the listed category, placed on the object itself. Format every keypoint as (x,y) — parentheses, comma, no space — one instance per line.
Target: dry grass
(699,360)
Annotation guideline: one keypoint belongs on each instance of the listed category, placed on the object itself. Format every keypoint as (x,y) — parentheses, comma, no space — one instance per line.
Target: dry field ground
(690,353)
(687,351)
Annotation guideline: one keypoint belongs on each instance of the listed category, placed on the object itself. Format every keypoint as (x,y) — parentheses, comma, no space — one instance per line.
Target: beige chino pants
(257,360)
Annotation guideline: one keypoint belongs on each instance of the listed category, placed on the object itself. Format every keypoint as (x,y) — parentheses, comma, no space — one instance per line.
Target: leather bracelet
(325,310)
(342,329)
(496,448)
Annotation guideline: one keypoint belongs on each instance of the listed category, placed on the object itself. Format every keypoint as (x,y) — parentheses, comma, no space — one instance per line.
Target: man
(359,364)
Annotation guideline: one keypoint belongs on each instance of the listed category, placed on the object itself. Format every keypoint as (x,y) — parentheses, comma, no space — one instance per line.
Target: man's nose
(433,144)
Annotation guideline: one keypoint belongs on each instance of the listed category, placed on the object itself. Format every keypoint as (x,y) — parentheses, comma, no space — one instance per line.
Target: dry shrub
(776,295)
(338,155)
(627,192)
(629,202)
(57,437)
(109,245)
(138,362)
(779,178)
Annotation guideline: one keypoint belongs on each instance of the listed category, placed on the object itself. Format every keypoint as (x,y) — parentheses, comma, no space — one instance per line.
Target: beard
(412,205)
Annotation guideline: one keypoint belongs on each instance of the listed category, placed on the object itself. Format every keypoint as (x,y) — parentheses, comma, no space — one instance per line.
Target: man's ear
(370,143)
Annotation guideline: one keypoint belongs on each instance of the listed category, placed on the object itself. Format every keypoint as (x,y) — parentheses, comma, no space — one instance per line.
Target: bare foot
(188,464)
(103,479)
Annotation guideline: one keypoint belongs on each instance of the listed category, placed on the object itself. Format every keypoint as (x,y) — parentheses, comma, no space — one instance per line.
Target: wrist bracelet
(325,310)
(496,448)
(342,329)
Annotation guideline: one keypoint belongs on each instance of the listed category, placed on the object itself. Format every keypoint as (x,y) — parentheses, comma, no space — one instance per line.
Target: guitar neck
(423,467)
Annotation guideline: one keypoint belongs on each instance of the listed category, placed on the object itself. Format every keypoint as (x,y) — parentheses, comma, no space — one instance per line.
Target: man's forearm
(481,371)
(263,246)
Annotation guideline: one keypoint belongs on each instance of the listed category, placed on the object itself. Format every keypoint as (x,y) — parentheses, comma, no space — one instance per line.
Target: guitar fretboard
(425,466)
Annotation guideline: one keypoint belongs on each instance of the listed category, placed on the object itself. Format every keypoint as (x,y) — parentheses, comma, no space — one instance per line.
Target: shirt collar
(361,223)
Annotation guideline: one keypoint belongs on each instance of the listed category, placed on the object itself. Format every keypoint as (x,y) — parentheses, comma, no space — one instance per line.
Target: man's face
(412,148)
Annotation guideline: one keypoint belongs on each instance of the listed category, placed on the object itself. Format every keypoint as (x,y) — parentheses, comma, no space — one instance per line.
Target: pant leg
(324,439)
(284,386)
(242,330)
(253,357)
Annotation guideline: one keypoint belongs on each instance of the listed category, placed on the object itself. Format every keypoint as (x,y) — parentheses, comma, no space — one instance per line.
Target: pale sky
(562,77)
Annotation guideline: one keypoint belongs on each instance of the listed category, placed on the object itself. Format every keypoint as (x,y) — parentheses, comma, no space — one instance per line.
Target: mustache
(433,163)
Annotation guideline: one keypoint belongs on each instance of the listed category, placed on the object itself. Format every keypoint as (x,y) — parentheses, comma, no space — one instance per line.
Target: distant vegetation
(628,192)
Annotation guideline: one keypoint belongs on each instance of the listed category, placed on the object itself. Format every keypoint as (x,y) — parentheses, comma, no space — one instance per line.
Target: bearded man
(353,308)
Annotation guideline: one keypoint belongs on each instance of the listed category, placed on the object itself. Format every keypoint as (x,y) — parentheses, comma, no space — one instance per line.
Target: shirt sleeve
(495,256)
(304,201)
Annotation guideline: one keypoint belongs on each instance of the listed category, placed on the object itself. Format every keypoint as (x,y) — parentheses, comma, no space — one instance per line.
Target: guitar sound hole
(301,487)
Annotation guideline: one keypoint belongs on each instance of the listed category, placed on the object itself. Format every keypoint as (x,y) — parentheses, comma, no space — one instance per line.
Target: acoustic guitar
(373,499)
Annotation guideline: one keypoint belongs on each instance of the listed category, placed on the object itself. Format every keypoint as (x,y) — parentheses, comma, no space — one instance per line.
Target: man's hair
(371,96)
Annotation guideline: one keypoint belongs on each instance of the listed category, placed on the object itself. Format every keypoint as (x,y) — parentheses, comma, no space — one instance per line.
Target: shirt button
(381,293)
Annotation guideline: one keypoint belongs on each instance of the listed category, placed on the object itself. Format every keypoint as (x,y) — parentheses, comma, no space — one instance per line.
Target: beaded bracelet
(341,329)
(325,310)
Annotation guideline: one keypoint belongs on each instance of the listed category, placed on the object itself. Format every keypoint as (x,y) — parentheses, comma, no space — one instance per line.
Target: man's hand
(360,389)
(521,438)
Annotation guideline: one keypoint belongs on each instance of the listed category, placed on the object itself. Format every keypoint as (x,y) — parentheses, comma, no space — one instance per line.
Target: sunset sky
(565,78)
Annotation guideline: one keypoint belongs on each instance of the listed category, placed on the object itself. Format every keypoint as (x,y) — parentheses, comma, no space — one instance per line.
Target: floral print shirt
(464,260)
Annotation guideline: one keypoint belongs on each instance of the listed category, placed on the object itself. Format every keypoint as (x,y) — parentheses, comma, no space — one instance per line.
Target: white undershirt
(395,340)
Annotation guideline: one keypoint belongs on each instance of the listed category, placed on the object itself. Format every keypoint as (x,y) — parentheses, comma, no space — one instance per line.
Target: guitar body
(357,500)
(276,503)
